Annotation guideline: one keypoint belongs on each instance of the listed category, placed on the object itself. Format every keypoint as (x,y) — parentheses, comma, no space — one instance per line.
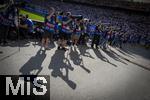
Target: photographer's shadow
(60,64)
(77,59)
(33,65)
(102,57)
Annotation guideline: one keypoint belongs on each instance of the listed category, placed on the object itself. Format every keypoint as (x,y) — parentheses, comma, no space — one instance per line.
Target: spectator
(23,27)
(48,26)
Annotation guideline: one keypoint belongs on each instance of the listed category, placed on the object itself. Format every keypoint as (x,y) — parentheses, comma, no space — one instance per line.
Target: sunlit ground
(82,73)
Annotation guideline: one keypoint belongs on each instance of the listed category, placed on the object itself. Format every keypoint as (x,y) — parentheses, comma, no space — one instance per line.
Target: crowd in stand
(39,9)
(78,24)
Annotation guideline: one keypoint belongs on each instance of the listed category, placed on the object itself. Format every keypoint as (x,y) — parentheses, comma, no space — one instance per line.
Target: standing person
(82,39)
(67,26)
(62,35)
(47,34)
(114,39)
(8,18)
(96,37)
(120,40)
(67,31)
(77,32)
(105,38)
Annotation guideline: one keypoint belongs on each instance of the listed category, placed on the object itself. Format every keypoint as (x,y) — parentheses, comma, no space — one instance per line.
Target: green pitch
(33,16)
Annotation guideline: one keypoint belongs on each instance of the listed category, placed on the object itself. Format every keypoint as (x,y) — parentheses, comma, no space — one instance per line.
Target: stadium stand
(127,21)
(125,4)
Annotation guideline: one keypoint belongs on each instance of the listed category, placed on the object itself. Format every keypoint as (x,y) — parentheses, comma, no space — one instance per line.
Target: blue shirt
(30,24)
(60,18)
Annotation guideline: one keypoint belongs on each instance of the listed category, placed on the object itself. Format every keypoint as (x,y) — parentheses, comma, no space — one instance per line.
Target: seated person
(30,25)
(23,27)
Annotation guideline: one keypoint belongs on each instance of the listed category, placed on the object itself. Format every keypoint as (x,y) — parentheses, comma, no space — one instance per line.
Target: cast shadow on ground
(103,58)
(84,51)
(138,50)
(125,53)
(130,61)
(77,58)
(17,43)
(114,56)
(34,65)
(59,63)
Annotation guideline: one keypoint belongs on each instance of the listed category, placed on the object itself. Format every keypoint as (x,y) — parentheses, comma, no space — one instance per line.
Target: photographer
(8,18)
